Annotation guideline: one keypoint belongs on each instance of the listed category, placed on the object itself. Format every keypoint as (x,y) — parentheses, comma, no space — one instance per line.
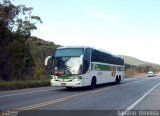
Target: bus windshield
(69,52)
(67,65)
(68,61)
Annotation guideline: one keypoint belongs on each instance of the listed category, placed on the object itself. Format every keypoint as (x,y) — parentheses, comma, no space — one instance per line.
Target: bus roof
(73,47)
(91,48)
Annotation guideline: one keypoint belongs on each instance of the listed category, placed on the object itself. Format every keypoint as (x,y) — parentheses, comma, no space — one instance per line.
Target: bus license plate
(63,84)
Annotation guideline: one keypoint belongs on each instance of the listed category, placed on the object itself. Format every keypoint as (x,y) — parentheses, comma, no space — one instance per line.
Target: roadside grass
(23,84)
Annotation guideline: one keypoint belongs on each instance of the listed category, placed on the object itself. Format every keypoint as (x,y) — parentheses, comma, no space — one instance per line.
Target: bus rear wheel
(93,83)
(117,81)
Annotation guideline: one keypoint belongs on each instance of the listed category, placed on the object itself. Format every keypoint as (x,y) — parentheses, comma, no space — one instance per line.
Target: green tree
(16,25)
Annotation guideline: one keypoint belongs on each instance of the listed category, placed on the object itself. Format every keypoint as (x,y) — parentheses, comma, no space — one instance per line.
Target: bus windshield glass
(68,61)
(69,52)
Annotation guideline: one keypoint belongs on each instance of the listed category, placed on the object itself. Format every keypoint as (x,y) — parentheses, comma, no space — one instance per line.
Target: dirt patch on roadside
(135,75)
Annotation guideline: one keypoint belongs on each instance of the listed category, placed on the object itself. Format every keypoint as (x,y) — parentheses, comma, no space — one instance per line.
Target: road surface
(131,94)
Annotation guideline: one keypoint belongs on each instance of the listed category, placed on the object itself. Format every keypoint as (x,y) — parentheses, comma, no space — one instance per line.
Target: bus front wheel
(93,83)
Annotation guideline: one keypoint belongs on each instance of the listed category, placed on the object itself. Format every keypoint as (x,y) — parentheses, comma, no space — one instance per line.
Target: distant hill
(136,62)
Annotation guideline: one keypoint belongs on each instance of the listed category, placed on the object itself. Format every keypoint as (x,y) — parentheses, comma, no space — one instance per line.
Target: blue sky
(127,27)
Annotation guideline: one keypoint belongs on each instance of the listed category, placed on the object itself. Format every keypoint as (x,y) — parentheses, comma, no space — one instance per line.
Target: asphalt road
(131,94)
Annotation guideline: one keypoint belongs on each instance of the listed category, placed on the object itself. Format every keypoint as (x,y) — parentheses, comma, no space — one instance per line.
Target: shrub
(23,84)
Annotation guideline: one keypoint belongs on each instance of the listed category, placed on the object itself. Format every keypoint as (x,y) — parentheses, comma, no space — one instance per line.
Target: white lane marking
(141,98)
(25,93)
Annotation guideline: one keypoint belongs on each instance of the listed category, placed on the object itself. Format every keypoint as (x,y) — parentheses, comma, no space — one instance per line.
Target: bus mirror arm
(46,60)
(85,61)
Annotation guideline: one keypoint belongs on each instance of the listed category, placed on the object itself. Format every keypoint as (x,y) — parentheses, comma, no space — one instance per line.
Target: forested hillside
(19,60)
(40,49)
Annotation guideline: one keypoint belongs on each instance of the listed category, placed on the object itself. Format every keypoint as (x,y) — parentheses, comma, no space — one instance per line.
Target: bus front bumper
(60,83)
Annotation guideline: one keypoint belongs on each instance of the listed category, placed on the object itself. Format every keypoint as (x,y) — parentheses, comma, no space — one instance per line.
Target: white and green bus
(85,66)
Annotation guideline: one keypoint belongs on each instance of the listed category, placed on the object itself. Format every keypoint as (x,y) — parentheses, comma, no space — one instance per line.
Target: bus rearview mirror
(46,60)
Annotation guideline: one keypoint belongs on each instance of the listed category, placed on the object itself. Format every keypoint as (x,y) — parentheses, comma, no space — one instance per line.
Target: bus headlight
(76,79)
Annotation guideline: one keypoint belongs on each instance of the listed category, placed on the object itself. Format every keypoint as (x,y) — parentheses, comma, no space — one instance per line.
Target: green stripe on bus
(69,77)
(102,67)
(63,77)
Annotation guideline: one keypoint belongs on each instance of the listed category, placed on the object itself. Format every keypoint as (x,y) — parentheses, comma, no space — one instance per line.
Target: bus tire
(117,80)
(93,83)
